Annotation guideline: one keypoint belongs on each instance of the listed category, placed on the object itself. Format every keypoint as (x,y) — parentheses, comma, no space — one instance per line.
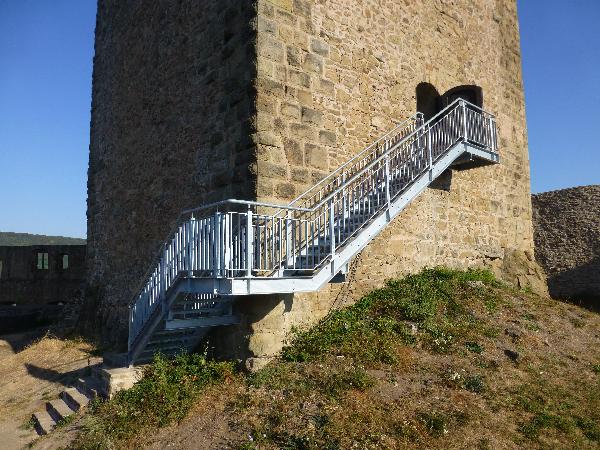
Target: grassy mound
(440,359)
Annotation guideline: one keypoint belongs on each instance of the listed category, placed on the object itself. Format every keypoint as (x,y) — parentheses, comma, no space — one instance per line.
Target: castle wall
(334,75)
(23,282)
(567,241)
(171,103)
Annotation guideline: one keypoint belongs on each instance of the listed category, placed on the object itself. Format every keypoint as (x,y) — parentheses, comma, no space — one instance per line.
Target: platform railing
(298,239)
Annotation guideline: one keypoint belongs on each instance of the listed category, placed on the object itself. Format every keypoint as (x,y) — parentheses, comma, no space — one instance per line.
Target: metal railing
(299,238)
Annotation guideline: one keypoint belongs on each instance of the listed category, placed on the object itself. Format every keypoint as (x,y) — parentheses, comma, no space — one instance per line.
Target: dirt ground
(34,368)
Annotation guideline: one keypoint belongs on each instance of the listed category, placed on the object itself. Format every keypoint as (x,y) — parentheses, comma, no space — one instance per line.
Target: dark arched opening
(428,100)
(471,93)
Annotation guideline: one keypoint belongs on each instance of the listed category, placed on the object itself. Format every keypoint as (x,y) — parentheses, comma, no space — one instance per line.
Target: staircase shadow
(67,379)
(20,341)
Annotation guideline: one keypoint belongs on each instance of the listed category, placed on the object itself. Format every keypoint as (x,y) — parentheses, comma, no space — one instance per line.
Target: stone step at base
(58,409)
(42,422)
(74,399)
(89,387)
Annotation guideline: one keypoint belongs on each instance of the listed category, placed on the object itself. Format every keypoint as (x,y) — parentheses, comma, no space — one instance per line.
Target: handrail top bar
(289,206)
(244,202)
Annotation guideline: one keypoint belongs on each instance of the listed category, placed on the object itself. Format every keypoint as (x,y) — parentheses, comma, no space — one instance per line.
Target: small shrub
(474,383)
(435,423)
(474,347)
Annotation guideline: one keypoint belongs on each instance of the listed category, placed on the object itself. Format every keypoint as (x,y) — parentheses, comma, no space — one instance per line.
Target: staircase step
(74,399)
(89,387)
(42,422)
(58,409)
(202,322)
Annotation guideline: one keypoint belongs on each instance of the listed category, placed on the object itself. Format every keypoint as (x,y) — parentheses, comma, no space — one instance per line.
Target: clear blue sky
(46,50)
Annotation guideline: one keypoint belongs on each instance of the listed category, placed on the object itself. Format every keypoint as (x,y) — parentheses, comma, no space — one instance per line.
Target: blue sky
(46,51)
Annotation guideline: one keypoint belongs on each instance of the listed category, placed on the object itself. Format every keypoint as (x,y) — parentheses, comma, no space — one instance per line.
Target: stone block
(316,156)
(327,137)
(312,116)
(319,47)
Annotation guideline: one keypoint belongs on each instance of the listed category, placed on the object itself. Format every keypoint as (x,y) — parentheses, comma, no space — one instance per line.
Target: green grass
(370,330)
(163,396)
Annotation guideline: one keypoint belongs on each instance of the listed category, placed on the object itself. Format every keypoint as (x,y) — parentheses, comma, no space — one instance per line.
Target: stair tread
(89,387)
(58,409)
(43,422)
(74,398)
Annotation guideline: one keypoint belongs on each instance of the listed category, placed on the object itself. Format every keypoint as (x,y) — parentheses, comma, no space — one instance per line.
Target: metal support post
(216,244)
(249,243)
(429,152)
(387,181)
(288,239)
(464,108)
(332,231)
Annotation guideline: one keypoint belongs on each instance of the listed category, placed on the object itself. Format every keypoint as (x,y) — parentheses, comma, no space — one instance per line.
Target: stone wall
(567,241)
(171,103)
(23,283)
(334,75)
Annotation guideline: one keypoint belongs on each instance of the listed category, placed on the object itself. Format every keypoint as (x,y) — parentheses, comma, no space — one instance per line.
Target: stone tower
(202,100)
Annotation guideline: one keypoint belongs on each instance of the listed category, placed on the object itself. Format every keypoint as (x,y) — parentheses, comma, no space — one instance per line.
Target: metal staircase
(237,247)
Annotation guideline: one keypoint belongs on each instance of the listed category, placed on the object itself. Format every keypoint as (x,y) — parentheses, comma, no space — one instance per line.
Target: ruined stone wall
(171,105)
(23,283)
(567,241)
(333,75)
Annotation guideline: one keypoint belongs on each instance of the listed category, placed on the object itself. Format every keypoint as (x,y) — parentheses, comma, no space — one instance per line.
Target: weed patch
(163,396)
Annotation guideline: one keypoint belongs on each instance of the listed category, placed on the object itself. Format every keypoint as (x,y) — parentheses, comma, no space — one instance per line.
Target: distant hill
(7,238)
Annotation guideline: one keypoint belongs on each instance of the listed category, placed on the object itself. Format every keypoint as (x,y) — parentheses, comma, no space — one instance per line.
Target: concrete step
(58,409)
(112,380)
(42,422)
(89,387)
(74,399)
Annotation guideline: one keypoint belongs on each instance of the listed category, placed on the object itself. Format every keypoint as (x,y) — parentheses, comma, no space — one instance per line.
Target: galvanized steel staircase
(236,247)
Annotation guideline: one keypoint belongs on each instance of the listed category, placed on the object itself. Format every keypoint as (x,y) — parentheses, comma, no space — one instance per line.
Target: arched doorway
(471,93)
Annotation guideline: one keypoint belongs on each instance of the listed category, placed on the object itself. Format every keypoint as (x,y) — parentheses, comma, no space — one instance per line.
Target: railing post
(288,238)
(387,180)
(216,245)
(190,239)
(493,136)
(429,152)
(332,230)
(464,108)
(163,275)
(249,243)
